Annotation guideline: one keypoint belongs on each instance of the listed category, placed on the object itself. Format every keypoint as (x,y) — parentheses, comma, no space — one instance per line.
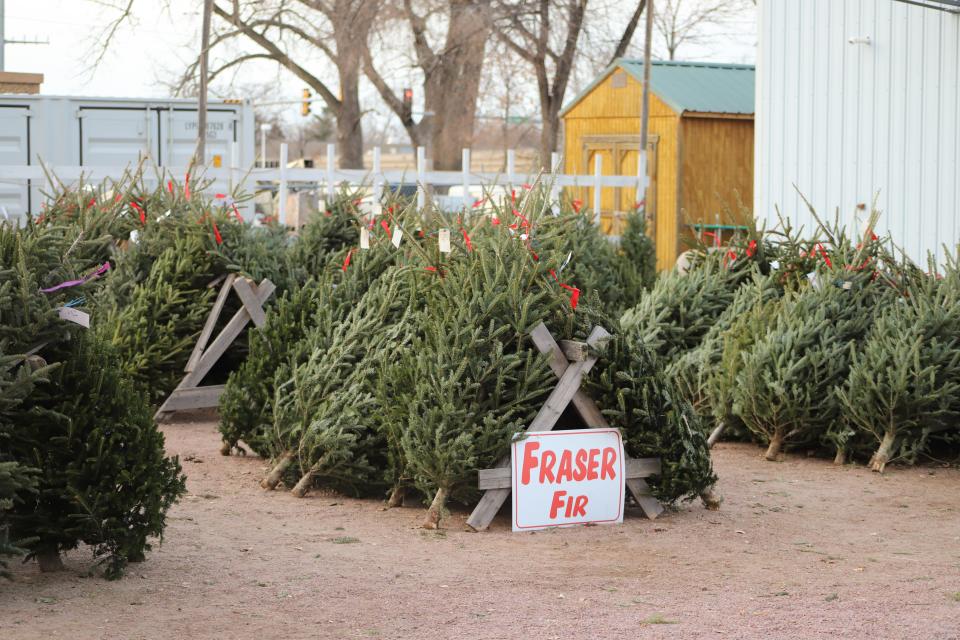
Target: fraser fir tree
(638,250)
(476,380)
(103,478)
(904,379)
(155,331)
(635,395)
(677,312)
(785,390)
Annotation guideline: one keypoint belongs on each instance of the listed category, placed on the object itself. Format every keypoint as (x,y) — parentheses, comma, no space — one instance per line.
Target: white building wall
(848,121)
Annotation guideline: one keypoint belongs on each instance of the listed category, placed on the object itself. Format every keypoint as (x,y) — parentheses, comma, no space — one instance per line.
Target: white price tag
(444,240)
(364,238)
(397,237)
(75,316)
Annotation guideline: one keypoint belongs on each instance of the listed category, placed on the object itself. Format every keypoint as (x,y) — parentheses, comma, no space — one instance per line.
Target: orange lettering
(546,468)
(609,457)
(556,503)
(566,466)
(529,461)
(580,506)
(594,463)
(581,471)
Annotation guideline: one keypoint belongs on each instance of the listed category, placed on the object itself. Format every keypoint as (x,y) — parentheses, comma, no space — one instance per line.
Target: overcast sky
(157,44)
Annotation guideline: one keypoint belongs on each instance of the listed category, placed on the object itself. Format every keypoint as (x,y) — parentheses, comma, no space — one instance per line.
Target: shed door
(14,151)
(619,157)
(116,136)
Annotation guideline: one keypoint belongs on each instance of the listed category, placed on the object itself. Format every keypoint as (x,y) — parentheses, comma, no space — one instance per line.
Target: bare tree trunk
(435,512)
(548,136)
(882,456)
(841,458)
(453,85)
(300,489)
(716,433)
(710,500)
(49,560)
(276,474)
(349,113)
(776,445)
(396,497)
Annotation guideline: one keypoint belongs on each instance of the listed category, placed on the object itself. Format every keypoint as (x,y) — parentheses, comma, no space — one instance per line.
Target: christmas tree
(904,379)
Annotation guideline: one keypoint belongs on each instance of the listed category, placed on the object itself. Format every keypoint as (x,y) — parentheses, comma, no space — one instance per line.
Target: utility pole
(202,107)
(645,109)
(4,41)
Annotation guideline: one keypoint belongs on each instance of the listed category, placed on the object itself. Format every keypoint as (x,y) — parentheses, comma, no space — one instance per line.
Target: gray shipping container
(114,133)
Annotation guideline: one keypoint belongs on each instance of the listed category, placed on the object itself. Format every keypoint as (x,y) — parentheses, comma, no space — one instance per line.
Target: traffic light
(305,105)
(408,99)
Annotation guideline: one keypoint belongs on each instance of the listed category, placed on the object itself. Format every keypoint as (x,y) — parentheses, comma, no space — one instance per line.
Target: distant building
(699,149)
(857,100)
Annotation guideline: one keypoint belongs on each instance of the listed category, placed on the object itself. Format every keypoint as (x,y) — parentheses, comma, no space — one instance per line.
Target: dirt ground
(800,549)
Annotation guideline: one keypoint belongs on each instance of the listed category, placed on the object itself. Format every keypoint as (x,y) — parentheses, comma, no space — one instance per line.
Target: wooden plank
(641,492)
(193,398)
(500,477)
(223,341)
(545,343)
(210,324)
(561,395)
(545,419)
(575,351)
(589,410)
(250,301)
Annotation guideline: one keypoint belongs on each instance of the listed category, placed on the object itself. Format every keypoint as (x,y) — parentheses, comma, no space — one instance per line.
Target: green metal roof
(690,86)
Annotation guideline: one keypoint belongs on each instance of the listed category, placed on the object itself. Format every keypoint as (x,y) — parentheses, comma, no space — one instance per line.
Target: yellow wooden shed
(699,147)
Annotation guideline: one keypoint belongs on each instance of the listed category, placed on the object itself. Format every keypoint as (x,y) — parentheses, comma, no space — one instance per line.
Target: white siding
(850,122)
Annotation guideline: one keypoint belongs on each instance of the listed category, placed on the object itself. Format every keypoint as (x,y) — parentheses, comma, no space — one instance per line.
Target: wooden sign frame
(570,362)
(188,394)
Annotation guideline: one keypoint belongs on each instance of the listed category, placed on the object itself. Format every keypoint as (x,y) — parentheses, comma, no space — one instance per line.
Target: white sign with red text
(563,478)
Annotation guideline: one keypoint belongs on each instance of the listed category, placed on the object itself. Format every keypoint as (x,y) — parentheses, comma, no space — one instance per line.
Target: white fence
(330,179)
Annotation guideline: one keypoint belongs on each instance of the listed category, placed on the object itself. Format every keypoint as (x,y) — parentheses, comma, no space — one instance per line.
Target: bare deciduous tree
(451,74)
(337,28)
(680,22)
(545,33)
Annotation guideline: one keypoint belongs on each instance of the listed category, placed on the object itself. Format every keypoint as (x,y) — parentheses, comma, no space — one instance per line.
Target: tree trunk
(49,560)
(841,458)
(435,512)
(300,489)
(776,445)
(452,85)
(710,500)
(880,459)
(276,474)
(548,135)
(716,433)
(396,497)
(349,125)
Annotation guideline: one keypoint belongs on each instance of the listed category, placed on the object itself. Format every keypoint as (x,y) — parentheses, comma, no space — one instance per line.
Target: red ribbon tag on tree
(823,253)
(574,295)
(216,232)
(346,261)
(466,239)
(143,215)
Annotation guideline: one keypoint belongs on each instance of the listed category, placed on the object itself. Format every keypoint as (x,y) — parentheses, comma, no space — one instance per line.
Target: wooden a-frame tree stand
(570,363)
(188,394)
